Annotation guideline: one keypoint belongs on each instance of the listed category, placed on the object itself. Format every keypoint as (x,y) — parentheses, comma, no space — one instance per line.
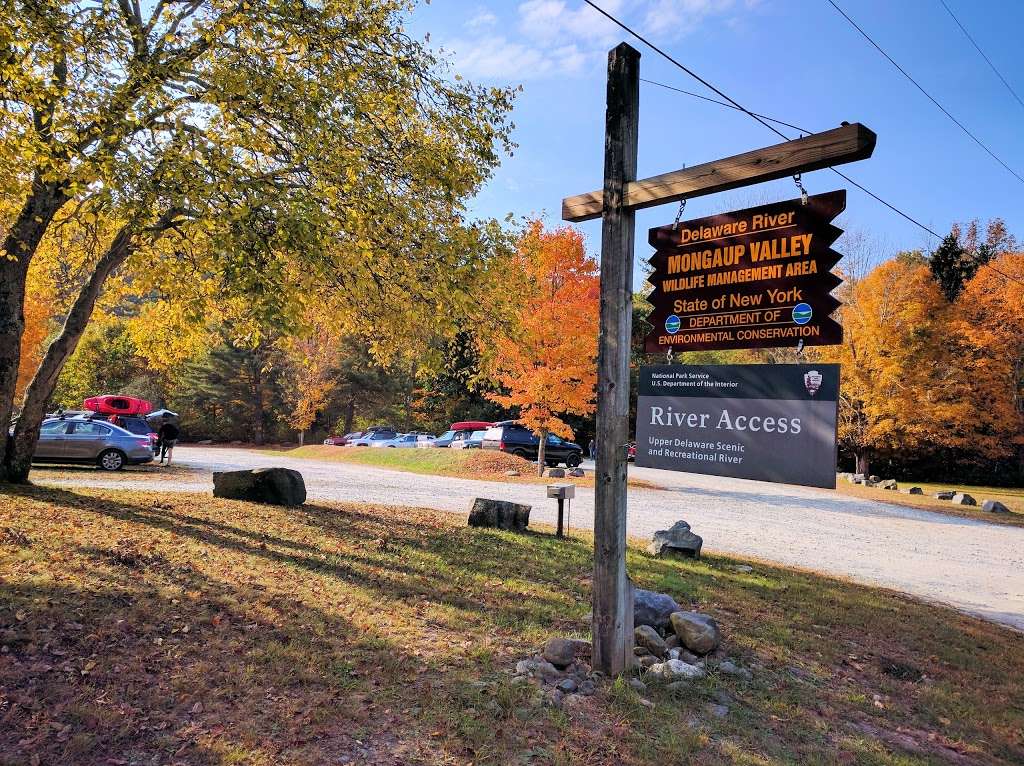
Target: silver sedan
(92,442)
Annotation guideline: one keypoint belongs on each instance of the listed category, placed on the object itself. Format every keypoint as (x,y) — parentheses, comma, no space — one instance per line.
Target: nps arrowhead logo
(812,382)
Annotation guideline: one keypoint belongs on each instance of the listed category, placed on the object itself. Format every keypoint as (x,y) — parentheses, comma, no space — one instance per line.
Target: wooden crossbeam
(802,155)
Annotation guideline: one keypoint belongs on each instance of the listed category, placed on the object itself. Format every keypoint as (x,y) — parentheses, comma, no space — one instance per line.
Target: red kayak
(118,405)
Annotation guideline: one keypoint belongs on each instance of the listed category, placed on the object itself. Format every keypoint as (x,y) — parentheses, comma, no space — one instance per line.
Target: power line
(926,93)
(764,120)
(981,52)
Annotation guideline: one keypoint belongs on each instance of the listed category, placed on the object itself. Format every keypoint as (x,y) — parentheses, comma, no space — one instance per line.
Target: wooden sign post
(622,195)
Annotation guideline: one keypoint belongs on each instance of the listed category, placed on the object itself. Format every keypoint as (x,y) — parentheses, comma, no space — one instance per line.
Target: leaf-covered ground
(179,629)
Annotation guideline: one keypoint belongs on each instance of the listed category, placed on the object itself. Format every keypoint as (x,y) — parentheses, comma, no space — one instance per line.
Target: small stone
(889,484)
(556,473)
(576,473)
(559,651)
(638,686)
(732,669)
(994,506)
(673,654)
(555,698)
(673,642)
(962,498)
(874,479)
(946,494)
(698,632)
(567,686)
(648,660)
(648,639)
(524,667)
(672,670)
(914,491)
(718,711)
(587,688)
(743,568)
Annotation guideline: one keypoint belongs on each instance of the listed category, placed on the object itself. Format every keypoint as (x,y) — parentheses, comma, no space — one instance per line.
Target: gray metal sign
(772,422)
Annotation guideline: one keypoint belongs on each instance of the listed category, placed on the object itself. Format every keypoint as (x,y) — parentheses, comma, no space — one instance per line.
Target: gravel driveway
(971,565)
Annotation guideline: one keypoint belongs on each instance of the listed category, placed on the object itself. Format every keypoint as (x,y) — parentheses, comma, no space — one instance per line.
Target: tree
(989,323)
(298,143)
(901,389)
(545,358)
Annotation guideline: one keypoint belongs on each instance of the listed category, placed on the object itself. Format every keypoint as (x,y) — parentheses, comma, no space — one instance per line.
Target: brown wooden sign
(755,278)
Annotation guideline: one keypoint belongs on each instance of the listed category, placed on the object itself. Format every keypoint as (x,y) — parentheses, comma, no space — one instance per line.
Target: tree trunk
(350,414)
(19,247)
(39,391)
(541,450)
(302,438)
(259,432)
(863,463)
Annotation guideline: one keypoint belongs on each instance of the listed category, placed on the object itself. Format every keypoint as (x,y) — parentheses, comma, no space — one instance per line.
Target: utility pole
(612,627)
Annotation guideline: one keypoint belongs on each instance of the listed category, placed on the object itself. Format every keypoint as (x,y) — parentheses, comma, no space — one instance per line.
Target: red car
(341,441)
(631,452)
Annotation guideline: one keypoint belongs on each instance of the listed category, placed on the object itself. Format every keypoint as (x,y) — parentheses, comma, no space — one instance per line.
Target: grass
(168,628)
(489,465)
(1010,497)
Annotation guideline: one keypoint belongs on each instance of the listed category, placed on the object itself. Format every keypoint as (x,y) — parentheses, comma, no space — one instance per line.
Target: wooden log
(612,626)
(802,155)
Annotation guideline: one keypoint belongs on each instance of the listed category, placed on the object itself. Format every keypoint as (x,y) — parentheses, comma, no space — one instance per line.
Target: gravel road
(971,565)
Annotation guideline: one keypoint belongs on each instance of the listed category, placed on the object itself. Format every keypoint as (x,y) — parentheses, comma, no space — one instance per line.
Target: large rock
(555,473)
(678,540)
(994,506)
(962,498)
(698,632)
(654,609)
(914,491)
(946,494)
(278,486)
(499,514)
(649,639)
(889,484)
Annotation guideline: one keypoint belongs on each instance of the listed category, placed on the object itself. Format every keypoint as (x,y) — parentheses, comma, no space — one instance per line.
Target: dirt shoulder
(1013,499)
(160,627)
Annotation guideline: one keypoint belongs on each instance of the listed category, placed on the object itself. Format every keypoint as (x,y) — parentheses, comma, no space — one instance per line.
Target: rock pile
(561,670)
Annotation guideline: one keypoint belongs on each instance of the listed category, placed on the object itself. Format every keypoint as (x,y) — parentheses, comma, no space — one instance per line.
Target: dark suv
(516,439)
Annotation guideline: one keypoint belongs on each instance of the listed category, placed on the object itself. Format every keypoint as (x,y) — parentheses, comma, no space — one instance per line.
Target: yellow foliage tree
(544,359)
(900,388)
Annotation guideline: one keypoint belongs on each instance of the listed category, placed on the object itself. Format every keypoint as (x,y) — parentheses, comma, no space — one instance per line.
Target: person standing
(593,450)
(168,437)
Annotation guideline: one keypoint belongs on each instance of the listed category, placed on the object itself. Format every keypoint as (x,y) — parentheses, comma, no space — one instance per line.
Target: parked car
(631,452)
(136,425)
(405,441)
(470,440)
(341,441)
(459,431)
(91,441)
(372,438)
(516,439)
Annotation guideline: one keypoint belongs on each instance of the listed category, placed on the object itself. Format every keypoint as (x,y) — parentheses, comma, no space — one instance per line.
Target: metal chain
(800,186)
(679,214)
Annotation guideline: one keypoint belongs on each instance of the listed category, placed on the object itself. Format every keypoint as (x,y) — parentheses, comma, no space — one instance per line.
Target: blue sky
(797,60)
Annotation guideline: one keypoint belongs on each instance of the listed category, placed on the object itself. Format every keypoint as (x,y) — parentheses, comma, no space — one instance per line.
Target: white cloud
(482,19)
(553,19)
(674,18)
(495,57)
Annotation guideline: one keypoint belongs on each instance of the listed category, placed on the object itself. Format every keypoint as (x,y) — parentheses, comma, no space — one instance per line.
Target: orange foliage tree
(544,357)
(900,388)
(989,323)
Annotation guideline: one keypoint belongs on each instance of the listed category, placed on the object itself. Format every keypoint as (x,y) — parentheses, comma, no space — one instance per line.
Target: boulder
(575,472)
(647,637)
(994,506)
(874,479)
(914,491)
(678,540)
(654,609)
(889,484)
(675,670)
(698,632)
(869,483)
(560,652)
(556,473)
(946,494)
(277,486)
(858,478)
(962,498)
(499,514)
